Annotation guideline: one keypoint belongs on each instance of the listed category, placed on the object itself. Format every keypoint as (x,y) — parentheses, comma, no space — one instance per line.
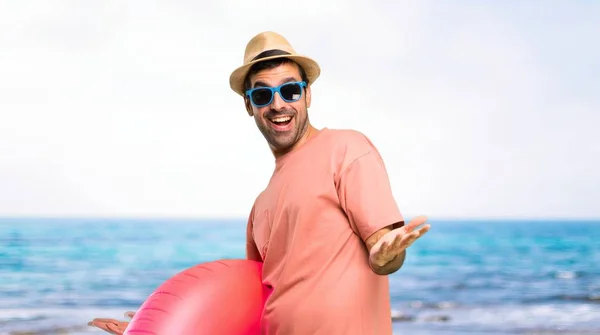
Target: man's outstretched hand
(112,326)
(396,241)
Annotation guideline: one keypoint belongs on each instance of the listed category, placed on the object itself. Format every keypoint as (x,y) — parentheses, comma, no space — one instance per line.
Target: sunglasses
(263,96)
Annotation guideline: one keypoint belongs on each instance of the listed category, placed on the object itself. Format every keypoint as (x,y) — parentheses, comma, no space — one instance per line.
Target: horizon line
(243,218)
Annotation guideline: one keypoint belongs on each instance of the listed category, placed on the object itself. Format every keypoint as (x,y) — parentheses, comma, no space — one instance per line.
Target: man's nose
(277,103)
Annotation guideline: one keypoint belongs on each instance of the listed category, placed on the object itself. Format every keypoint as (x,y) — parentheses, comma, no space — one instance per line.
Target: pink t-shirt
(309,225)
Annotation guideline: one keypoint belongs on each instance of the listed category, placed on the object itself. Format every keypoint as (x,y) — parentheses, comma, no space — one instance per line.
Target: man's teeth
(281,119)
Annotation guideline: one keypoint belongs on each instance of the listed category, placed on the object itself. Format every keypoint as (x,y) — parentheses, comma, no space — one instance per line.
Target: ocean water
(464,277)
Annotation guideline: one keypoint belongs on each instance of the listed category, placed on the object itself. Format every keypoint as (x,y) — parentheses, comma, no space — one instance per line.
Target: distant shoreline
(237,219)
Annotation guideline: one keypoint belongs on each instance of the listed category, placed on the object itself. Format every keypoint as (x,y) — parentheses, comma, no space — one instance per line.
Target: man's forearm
(390,267)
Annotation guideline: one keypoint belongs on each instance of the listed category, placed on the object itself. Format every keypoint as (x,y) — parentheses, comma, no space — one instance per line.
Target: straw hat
(265,46)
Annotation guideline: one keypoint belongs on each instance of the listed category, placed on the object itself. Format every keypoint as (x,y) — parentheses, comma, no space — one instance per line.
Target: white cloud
(124,108)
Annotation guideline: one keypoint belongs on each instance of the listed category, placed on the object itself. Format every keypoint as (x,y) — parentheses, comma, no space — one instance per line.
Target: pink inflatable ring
(223,297)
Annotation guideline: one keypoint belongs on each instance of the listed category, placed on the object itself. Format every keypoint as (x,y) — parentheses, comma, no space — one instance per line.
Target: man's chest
(292,203)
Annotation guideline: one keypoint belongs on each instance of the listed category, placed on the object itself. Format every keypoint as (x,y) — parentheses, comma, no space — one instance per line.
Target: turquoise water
(464,277)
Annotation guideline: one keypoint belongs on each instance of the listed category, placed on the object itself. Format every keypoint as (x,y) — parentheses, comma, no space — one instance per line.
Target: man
(326,227)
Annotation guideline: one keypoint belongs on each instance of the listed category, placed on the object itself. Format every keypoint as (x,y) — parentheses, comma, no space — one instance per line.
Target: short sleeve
(251,249)
(366,196)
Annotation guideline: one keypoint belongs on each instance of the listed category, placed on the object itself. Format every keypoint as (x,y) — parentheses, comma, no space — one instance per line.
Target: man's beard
(283,140)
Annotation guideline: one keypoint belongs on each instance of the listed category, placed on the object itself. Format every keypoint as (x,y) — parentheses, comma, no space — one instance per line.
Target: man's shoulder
(350,140)
(347,146)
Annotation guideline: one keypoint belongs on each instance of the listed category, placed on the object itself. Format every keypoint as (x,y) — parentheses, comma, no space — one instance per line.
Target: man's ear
(307,96)
(248,107)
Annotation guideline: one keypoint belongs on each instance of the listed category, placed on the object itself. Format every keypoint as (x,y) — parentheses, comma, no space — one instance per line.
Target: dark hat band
(269,53)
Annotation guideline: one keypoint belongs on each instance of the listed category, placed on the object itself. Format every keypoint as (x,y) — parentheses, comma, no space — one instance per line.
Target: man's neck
(310,132)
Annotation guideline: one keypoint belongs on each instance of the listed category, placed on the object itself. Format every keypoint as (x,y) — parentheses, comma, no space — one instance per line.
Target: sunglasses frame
(274,90)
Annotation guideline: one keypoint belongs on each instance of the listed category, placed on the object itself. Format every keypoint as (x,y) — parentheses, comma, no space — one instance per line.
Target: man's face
(281,123)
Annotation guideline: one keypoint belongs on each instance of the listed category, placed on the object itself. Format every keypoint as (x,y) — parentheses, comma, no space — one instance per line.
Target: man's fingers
(384,247)
(408,239)
(424,229)
(403,241)
(420,232)
(111,326)
(397,241)
(129,314)
(101,325)
(103,320)
(414,223)
(116,329)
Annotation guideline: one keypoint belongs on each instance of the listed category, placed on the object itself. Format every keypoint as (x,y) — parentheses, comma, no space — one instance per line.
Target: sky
(123,108)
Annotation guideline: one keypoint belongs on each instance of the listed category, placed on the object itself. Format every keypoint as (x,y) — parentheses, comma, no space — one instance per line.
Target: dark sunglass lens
(291,92)
(261,96)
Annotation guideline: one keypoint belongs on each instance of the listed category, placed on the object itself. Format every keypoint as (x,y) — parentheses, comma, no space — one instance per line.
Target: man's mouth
(281,121)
